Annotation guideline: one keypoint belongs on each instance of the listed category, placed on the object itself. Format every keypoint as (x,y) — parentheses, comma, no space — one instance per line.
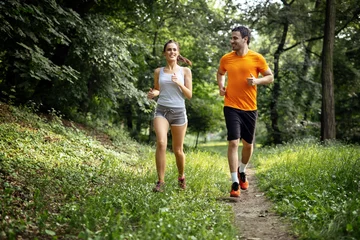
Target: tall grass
(316,186)
(58,182)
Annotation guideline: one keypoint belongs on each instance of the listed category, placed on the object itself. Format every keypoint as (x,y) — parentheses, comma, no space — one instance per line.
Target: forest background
(92,61)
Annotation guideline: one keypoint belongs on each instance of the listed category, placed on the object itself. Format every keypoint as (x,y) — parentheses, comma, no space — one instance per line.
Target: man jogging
(242,67)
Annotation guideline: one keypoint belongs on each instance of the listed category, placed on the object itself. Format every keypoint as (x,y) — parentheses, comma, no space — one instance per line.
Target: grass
(219,147)
(60,182)
(316,186)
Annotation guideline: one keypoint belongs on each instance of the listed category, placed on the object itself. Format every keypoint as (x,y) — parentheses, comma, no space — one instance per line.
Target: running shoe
(235,190)
(244,184)
(182,183)
(159,187)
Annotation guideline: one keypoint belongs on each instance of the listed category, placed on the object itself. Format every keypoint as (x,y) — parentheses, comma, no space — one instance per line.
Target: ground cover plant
(60,182)
(316,186)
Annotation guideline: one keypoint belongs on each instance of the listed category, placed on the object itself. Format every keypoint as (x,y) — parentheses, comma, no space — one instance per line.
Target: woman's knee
(178,151)
(161,144)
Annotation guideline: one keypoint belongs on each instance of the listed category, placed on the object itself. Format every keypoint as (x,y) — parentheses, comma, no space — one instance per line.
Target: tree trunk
(274,114)
(328,130)
(197,139)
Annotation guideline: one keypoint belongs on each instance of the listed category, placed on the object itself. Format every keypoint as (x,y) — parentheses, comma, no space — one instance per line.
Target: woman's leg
(178,135)
(161,127)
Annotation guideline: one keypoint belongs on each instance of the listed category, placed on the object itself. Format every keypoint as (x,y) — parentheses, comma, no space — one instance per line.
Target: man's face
(237,42)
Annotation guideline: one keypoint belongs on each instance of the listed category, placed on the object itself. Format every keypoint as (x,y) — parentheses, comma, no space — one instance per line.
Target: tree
(328,130)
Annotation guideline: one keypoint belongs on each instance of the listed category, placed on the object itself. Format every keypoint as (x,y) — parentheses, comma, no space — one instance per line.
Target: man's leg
(233,158)
(246,154)
(233,166)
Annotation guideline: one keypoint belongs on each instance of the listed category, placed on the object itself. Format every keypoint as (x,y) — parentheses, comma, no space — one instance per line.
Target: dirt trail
(254,215)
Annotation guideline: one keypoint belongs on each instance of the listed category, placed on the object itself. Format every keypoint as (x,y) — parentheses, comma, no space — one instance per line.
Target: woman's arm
(186,88)
(154,92)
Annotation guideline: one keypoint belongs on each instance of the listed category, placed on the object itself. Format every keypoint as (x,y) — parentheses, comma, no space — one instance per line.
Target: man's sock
(242,167)
(234,177)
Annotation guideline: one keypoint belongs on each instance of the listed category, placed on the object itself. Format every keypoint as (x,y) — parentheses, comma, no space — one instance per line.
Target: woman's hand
(151,94)
(176,80)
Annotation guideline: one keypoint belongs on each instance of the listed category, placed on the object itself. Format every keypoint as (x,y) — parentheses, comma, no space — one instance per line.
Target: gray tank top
(170,93)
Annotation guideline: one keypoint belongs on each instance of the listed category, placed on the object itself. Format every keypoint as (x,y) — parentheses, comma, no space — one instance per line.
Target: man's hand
(222,91)
(251,80)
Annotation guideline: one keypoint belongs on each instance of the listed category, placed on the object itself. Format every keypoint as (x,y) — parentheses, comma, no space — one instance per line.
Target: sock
(242,167)
(234,177)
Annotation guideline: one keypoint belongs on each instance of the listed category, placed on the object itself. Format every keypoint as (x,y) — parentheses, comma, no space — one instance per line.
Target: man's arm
(220,77)
(267,78)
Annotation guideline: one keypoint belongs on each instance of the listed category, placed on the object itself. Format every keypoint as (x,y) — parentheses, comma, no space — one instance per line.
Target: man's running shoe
(235,190)
(159,187)
(182,183)
(244,184)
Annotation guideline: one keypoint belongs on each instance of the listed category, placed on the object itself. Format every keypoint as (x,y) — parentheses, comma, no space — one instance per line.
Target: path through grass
(317,187)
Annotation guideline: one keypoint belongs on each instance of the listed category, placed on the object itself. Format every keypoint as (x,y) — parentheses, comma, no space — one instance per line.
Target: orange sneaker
(235,190)
(244,184)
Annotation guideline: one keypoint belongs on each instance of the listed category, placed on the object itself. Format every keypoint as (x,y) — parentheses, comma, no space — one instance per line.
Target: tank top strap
(181,71)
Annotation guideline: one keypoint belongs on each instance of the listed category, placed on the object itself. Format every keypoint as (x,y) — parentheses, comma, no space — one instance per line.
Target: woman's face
(171,52)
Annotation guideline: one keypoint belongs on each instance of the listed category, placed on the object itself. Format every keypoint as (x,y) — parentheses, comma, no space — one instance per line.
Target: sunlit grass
(317,187)
(57,182)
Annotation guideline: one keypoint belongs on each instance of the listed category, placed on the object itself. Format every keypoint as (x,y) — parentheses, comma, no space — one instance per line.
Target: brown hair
(179,58)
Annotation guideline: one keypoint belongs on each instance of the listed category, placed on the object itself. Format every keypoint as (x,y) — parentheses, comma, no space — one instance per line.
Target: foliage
(30,33)
(59,59)
(94,60)
(315,186)
(298,101)
(59,182)
(347,85)
(205,111)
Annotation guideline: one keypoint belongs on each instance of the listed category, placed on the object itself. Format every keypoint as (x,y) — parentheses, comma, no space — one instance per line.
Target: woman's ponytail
(184,59)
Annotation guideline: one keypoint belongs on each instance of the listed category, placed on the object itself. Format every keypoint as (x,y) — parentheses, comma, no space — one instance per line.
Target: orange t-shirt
(238,93)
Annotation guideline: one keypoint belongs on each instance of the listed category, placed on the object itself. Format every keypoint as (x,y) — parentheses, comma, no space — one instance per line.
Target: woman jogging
(172,84)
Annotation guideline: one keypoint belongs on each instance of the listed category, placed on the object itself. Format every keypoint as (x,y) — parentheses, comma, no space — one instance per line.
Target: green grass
(316,186)
(219,147)
(60,183)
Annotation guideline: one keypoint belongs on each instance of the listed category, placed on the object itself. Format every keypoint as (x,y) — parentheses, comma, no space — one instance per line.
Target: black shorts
(240,124)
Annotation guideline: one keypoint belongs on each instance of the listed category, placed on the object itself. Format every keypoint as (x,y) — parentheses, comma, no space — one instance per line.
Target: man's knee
(233,143)
(247,146)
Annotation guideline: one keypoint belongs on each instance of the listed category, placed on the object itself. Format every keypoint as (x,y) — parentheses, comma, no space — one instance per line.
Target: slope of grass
(316,186)
(59,182)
